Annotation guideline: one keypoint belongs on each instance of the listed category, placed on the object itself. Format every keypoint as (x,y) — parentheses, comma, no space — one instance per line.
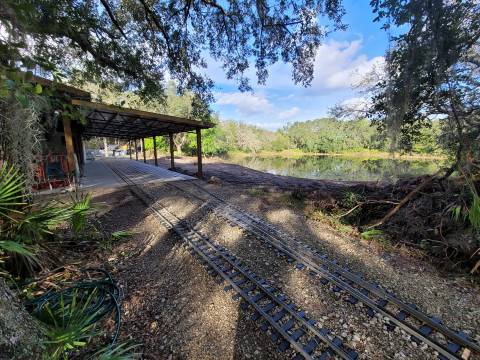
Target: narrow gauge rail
(421,327)
(290,326)
(372,296)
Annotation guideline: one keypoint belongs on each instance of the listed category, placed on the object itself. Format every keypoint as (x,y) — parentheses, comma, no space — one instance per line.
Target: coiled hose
(98,297)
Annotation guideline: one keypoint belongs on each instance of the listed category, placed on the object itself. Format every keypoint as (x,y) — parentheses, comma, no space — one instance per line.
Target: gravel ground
(170,305)
(177,311)
(454,300)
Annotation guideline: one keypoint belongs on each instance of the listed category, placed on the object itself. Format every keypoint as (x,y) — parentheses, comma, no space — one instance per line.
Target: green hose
(101,293)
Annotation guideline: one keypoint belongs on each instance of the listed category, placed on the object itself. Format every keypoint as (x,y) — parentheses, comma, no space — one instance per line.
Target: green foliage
(133,44)
(432,71)
(469,211)
(23,225)
(122,234)
(473,212)
(350,199)
(162,143)
(331,135)
(11,191)
(117,352)
(372,234)
(315,136)
(80,208)
(38,221)
(456,212)
(15,247)
(69,323)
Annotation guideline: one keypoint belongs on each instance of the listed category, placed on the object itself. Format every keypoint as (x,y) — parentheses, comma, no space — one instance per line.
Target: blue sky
(340,62)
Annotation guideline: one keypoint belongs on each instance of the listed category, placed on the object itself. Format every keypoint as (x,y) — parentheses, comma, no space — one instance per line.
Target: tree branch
(112,17)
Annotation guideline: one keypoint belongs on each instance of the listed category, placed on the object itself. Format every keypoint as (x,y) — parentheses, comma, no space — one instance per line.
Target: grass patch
(295,199)
(379,237)
(337,224)
(255,191)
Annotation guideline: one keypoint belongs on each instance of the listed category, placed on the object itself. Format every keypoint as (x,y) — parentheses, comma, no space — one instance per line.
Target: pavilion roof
(114,121)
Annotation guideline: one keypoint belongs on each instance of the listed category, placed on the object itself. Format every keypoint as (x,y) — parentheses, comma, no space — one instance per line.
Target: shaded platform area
(99,173)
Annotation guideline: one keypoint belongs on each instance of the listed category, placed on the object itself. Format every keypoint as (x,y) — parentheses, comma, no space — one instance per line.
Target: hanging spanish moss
(21,133)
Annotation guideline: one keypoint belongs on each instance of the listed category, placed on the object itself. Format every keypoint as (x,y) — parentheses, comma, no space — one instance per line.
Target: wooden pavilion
(135,125)
(122,123)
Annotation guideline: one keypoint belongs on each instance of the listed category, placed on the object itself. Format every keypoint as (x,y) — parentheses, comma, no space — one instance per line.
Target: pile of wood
(426,212)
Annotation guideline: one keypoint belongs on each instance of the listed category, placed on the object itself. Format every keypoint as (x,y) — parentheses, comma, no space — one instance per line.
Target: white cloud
(288,114)
(338,66)
(246,103)
(356,102)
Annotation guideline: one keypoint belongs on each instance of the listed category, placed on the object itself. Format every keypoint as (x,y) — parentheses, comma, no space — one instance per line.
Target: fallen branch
(405,200)
(367,202)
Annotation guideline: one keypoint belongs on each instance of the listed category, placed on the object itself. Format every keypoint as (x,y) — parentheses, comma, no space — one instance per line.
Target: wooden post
(199,153)
(130,148)
(136,150)
(143,149)
(155,150)
(67,130)
(105,146)
(172,157)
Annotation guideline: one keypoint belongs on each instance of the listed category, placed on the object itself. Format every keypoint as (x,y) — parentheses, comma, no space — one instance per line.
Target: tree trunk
(20,333)
(105,146)
(179,149)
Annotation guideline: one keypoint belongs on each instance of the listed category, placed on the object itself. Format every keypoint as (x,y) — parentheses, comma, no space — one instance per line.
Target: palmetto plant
(80,208)
(11,192)
(24,225)
(68,321)
(12,202)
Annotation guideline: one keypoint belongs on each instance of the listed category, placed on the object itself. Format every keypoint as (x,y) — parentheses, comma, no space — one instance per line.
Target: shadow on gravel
(177,310)
(171,305)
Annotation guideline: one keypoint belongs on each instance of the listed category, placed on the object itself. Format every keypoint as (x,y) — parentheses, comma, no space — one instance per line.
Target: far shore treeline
(325,135)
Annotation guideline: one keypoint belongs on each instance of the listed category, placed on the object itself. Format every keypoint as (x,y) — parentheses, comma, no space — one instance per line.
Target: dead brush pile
(441,217)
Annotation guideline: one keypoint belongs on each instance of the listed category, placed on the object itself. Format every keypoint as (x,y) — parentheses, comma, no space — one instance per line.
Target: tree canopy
(433,71)
(139,44)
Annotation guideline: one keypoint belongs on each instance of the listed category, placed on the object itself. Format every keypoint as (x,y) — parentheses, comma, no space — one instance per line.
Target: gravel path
(368,336)
(177,311)
(170,305)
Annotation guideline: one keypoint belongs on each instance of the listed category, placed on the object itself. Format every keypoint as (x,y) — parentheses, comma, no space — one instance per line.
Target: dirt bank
(425,222)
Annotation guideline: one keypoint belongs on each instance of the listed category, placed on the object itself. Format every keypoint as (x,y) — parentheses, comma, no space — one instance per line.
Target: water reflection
(340,168)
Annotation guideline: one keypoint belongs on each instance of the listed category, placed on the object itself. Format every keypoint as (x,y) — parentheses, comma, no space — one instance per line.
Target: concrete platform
(99,174)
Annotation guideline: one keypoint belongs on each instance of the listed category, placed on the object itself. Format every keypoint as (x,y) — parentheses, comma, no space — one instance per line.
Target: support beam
(67,130)
(130,148)
(155,150)
(136,150)
(143,149)
(199,152)
(172,156)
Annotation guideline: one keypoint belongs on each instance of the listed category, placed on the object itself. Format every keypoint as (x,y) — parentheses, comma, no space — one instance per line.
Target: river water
(340,168)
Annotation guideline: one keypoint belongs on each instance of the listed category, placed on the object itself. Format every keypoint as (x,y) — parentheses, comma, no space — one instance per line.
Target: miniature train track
(289,325)
(353,286)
